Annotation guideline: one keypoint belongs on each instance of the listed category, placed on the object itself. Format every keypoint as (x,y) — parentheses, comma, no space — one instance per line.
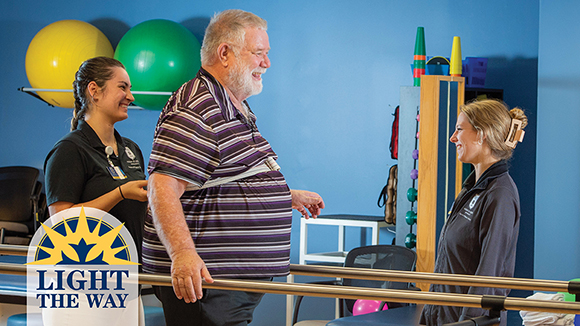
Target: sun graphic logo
(82,269)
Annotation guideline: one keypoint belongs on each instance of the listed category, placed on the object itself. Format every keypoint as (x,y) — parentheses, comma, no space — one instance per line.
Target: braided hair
(99,70)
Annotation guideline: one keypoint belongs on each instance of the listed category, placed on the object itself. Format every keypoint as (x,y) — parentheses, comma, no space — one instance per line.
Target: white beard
(241,82)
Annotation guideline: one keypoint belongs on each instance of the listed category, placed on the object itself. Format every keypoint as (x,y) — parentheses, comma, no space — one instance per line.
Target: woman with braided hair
(481,231)
(93,165)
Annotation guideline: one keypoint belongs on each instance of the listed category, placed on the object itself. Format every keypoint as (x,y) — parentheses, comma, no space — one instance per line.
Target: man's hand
(187,268)
(187,272)
(307,201)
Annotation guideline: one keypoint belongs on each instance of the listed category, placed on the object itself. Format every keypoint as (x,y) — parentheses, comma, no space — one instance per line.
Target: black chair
(389,257)
(22,203)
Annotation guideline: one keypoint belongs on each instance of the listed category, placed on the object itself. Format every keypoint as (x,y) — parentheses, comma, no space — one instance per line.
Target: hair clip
(516,134)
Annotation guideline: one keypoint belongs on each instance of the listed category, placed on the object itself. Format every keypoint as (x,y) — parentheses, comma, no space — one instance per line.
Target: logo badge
(473,201)
(129,153)
(82,266)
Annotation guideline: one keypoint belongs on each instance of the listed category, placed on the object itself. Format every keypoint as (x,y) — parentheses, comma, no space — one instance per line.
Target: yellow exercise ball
(56,53)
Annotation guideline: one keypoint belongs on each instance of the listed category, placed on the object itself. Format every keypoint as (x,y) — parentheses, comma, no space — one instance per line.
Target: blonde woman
(481,232)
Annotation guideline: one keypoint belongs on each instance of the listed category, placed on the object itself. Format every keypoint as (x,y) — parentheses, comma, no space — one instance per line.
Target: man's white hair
(229,27)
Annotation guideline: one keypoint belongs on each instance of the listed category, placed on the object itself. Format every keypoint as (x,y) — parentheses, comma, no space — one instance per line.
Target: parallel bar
(349,292)
(15,250)
(436,278)
(401,276)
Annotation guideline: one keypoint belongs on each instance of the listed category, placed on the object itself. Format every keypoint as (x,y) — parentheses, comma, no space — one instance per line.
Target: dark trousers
(216,308)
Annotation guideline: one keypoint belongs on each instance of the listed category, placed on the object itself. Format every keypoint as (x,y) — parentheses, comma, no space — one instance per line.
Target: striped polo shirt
(241,229)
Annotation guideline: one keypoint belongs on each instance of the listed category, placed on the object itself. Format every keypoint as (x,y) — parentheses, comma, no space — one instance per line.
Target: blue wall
(328,98)
(558,192)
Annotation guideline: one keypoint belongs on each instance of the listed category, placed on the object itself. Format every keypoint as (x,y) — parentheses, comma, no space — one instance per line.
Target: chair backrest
(390,257)
(19,189)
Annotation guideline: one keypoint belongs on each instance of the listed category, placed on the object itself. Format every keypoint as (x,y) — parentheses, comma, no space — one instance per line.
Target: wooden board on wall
(431,101)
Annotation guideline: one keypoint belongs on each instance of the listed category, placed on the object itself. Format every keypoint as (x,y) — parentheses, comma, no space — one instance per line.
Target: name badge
(116,172)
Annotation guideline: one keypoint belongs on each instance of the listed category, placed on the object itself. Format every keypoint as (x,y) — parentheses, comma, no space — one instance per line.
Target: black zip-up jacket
(479,238)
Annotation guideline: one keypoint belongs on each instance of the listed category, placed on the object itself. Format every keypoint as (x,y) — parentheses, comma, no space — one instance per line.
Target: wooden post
(431,102)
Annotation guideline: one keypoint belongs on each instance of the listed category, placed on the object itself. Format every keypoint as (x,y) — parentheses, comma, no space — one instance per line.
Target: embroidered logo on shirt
(466,213)
(473,201)
(129,153)
(133,163)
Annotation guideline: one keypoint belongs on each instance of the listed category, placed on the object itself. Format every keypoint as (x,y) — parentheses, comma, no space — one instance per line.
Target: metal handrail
(349,292)
(404,276)
(435,278)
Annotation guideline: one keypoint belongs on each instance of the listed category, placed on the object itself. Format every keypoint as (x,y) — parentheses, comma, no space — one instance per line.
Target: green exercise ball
(159,55)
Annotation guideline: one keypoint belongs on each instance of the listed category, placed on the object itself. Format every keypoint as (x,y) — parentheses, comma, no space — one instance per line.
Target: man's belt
(269,165)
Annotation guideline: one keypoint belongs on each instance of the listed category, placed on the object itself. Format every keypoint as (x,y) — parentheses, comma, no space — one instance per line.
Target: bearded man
(219,205)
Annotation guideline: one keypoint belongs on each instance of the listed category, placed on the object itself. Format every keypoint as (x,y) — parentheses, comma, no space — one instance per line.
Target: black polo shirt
(76,171)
